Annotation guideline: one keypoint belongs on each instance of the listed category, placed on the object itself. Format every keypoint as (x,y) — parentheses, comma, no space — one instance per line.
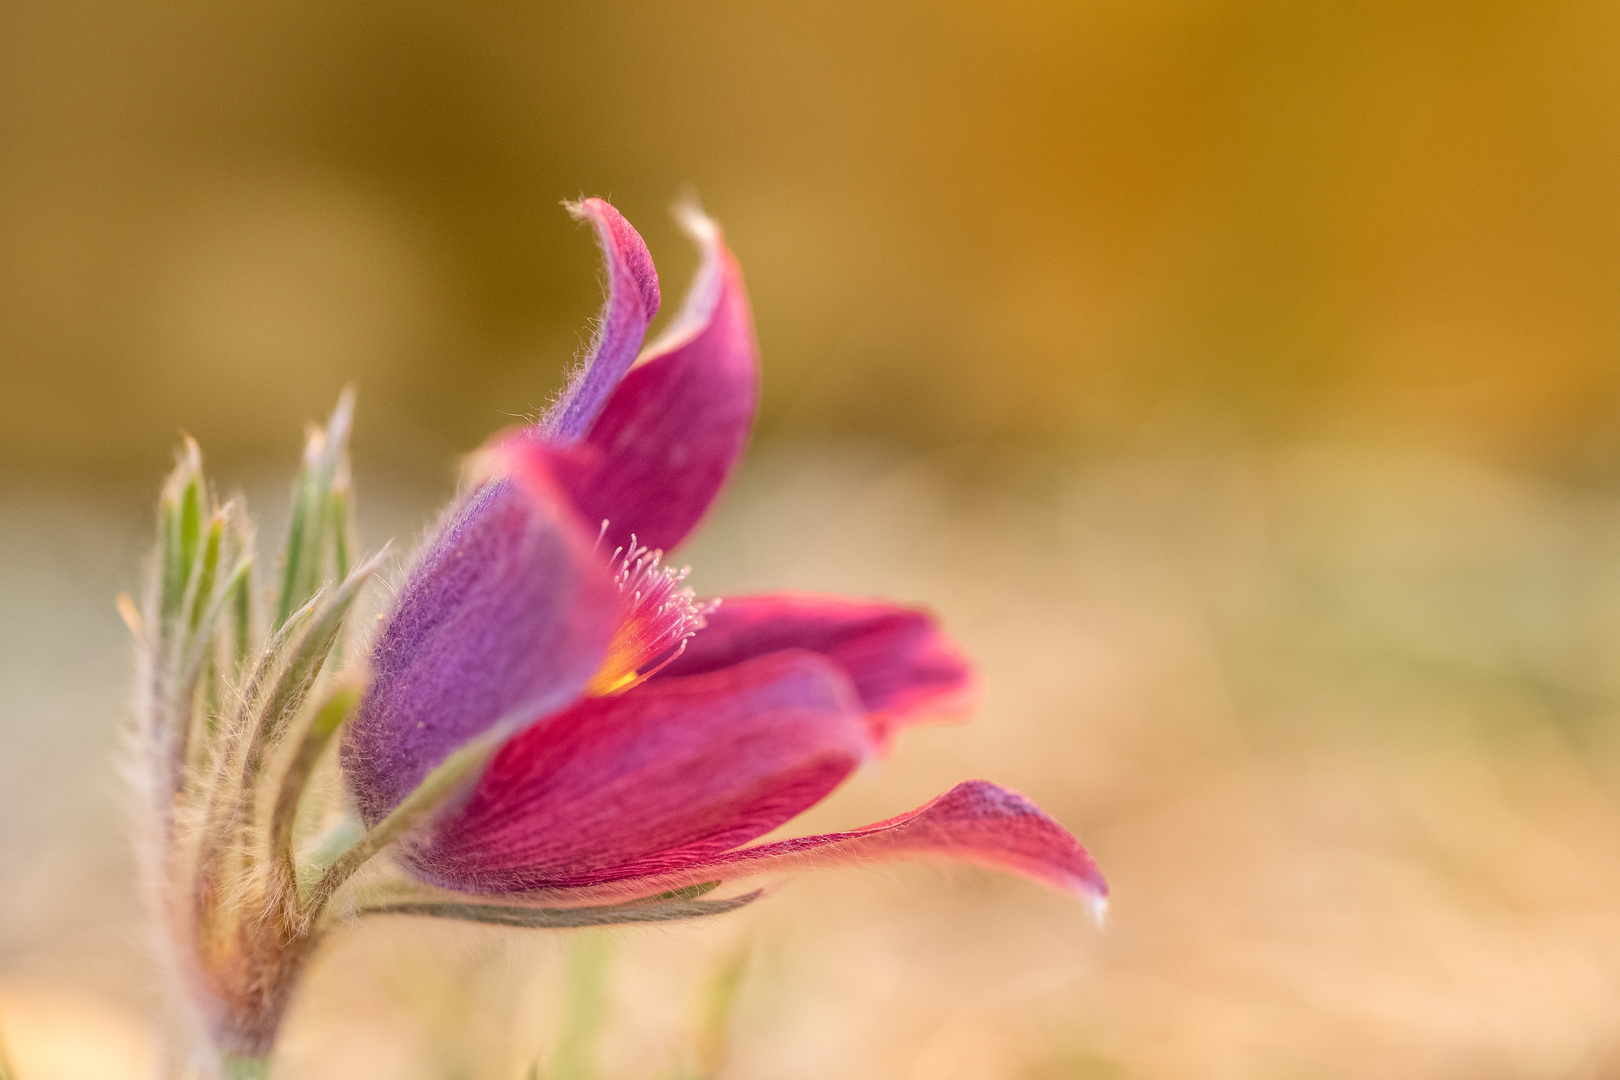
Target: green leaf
(324,849)
(325,720)
(714,1021)
(585,996)
(689,892)
(190,521)
(311,526)
(437,788)
(635,911)
(208,570)
(241,594)
(179,516)
(303,666)
(244,1068)
(7,1072)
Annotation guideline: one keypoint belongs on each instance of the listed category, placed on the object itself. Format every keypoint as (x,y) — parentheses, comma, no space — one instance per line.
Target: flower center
(658,616)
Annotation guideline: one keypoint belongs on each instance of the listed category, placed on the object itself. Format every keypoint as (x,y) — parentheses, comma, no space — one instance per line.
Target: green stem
(245,1068)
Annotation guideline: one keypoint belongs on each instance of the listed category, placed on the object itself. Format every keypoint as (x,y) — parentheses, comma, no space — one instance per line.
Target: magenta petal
(670,773)
(673,429)
(975,822)
(632,301)
(905,668)
(508,611)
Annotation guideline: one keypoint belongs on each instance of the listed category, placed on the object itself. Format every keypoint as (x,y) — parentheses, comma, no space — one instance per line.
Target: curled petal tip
(1097,904)
(699,226)
(632,301)
(677,422)
(622,247)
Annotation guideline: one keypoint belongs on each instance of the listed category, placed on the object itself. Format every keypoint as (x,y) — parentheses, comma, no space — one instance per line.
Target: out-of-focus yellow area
(960,220)
(1238,380)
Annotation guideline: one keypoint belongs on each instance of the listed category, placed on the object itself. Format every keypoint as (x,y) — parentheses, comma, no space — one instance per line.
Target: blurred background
(1240,379)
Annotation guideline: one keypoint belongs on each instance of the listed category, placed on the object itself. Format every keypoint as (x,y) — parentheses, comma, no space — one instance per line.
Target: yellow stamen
(605,682)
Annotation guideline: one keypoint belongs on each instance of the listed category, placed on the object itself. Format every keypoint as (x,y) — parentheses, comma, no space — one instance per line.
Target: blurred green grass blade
(585,995)
(7,1071)
(719,1003)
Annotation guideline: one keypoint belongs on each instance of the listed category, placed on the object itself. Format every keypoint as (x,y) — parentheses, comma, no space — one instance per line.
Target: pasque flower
(645,735)
(550,729)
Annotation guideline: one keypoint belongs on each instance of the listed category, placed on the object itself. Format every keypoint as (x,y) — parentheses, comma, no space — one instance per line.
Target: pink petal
(904,667)
(508,611)
(975,822)
(667,774)
(632,301)
(677,423)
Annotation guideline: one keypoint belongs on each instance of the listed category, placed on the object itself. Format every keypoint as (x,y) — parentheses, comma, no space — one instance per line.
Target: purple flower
(638,737)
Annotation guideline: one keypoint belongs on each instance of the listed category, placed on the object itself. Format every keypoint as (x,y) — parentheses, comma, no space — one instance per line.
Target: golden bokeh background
(1239,378)
(962,221)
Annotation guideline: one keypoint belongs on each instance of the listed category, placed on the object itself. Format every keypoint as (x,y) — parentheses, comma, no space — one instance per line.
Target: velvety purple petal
(975,822)
(508,610)
(905,668)
(632,301)
(677,423)
(665,775)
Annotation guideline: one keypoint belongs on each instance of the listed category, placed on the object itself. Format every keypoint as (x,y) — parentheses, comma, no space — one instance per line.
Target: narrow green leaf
(325,849)
(324,723)
(272,654)
(437,788)
(241,594)
(190,522)
(302,668)
(173,587)
(339,522)
(208,570)
(199,653)
(292,569)
(179,525)
(560,918)
(325,466)
(203,637)
(690,892)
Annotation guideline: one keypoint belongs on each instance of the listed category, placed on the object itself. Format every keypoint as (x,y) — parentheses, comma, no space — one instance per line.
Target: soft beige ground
(1336,721)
